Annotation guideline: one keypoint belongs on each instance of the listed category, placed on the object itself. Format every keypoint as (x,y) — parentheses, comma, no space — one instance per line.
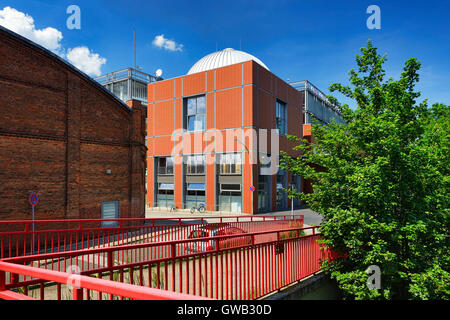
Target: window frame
(187,115)
(281,115)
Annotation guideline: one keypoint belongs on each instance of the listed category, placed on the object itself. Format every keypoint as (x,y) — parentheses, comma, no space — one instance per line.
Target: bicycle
(201,208)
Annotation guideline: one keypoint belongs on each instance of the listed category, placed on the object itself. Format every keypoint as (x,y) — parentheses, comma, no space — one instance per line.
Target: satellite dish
(159,73)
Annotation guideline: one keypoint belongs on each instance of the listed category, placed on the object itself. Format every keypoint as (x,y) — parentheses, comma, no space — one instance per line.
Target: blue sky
(304,39)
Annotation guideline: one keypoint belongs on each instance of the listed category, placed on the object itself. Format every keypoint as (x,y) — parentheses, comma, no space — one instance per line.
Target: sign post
(33,201)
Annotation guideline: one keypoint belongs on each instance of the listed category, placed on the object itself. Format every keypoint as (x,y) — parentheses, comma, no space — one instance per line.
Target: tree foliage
(383,192)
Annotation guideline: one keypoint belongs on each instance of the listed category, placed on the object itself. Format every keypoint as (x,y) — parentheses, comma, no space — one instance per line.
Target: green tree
(383,191)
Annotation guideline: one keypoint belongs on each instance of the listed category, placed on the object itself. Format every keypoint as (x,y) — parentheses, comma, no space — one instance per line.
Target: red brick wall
(59,133)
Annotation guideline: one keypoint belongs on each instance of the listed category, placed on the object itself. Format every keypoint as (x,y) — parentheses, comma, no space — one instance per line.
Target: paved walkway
(311,217)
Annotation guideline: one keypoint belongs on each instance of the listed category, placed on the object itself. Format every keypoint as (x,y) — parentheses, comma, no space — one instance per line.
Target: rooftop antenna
(217,46)
(240,44)
(134,44)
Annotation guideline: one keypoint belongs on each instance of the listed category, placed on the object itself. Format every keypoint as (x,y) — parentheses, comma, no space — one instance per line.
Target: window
(195,195)
(165,165)
(110,210)
(195,113)
(230,198)
(165,195)
(281,117)
(230,163)
(195,164)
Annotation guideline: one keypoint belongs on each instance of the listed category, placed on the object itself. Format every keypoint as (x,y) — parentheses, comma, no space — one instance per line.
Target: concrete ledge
(299,289)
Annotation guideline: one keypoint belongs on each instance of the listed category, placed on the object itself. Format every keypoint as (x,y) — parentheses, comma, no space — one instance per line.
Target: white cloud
(167,44)
(50,38)
(23,24)
(85,60)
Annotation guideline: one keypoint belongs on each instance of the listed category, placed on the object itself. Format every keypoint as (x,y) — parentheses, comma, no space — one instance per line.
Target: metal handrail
(101,285)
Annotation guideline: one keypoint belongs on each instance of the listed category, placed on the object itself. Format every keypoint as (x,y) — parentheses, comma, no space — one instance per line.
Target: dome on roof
(223,58)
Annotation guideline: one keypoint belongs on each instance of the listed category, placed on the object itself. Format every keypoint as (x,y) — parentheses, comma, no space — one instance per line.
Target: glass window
(195,113)
(230,163)
(281,117)
(195,164)
(165,165)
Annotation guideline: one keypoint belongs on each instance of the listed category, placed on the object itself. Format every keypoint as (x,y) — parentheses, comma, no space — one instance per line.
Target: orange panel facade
(212,120)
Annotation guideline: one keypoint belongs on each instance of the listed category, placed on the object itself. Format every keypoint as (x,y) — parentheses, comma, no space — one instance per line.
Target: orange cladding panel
(229,108)
(210,182)
(164,117)
(249,106)
(264,78)
(150,181)
(210,114)
(281,89)
(163,145)
(210,81)
(178,176)
(178,84)
(265,114)
(229,76)
(178,113)
(194,84)
(249,71)
(164,90)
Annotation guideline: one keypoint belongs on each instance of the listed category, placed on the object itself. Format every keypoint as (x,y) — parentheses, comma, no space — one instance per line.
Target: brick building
(66,138)
(208,131)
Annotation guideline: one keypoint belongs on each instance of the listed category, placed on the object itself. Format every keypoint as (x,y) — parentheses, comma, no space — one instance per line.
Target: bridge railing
(27,237)
(84,284)
(237,271)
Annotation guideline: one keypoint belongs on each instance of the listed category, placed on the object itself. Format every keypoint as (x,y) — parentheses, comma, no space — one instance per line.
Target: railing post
(77,294)
(110,264)
(217,245)
(14,278)
(2,280)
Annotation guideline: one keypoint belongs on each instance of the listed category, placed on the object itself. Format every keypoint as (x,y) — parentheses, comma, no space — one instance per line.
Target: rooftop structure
(223,58)
(127,84)
(316,105)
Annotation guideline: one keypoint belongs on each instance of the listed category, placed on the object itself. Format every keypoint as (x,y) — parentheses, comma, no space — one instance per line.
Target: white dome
(223,58)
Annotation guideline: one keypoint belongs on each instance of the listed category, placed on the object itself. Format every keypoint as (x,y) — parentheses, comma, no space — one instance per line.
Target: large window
(230,197)
(165,165)
(281,117)
(195,113)
(165,195)
(195,195)
(195,164)
(230,163)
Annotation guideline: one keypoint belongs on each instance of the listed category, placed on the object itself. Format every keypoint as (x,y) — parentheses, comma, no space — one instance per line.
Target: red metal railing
(238,271)
(17,236)
(82,284)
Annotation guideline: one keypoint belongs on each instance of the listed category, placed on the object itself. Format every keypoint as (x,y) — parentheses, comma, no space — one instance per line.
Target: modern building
(66,138)
(212,136)
(128,84)
(316,106)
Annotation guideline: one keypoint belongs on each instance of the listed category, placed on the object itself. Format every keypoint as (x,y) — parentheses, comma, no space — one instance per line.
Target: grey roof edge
(66,64)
